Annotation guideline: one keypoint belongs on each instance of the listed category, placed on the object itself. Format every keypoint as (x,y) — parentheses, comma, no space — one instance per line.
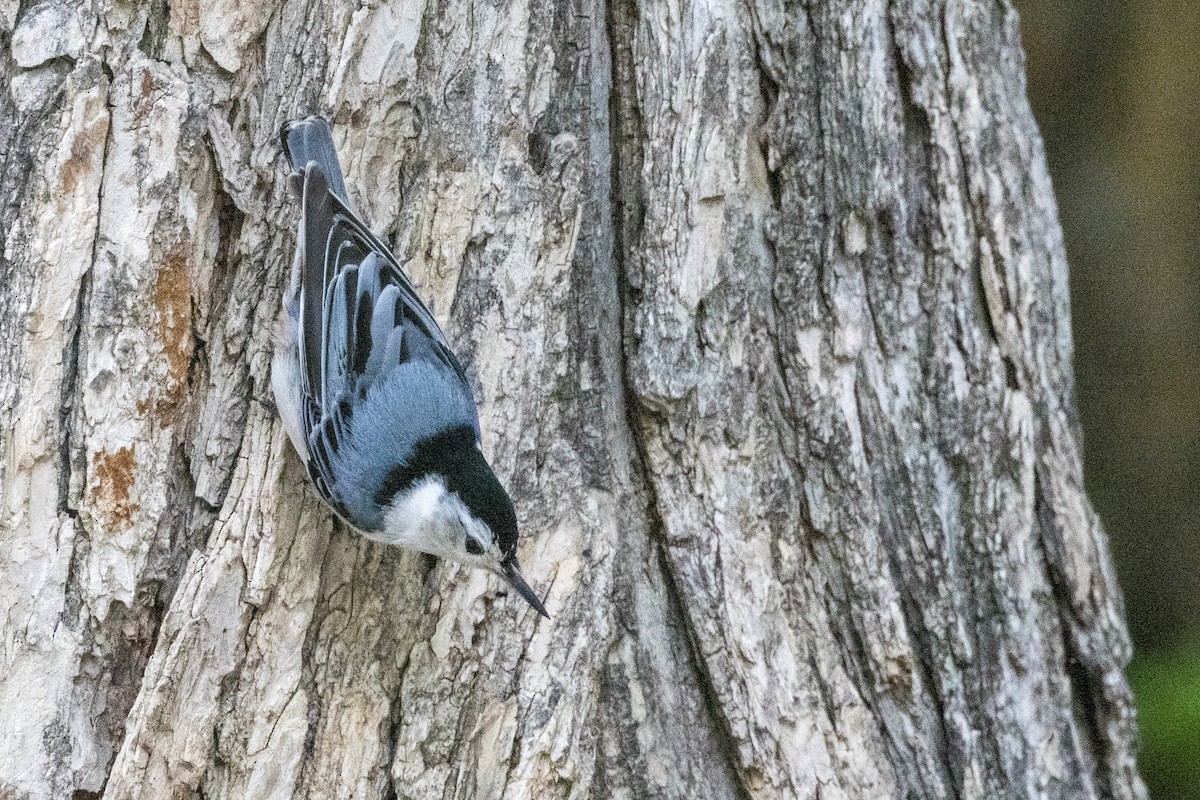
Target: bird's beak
(511,572)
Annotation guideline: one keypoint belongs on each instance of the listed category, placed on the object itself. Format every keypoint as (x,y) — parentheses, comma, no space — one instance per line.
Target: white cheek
(422,520)
(422,503)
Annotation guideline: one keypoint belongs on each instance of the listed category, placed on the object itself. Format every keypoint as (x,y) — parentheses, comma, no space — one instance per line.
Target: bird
(369,391)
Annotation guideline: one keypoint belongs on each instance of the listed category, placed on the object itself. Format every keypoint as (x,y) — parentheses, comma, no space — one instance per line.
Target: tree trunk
(766,308)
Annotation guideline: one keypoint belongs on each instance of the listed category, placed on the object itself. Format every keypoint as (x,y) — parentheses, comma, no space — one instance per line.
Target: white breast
(285,382)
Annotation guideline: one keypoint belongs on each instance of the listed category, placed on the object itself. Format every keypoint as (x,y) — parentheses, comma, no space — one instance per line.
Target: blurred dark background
(1115,87)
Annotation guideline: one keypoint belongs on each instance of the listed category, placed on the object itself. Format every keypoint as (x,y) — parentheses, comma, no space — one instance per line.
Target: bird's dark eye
(474,547)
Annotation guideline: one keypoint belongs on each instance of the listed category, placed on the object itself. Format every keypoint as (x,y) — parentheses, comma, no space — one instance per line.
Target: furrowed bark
(765,306)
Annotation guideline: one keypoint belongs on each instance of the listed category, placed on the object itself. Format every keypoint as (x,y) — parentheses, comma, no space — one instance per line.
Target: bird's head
(453,506)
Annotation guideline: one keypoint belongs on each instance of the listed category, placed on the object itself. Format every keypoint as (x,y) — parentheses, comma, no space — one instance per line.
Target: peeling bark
(766,308)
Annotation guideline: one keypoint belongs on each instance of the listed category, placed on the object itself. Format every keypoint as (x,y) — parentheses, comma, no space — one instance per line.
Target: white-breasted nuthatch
(371,395)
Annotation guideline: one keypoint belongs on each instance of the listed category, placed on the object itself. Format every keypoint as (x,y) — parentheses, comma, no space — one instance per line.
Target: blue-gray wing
(376,368)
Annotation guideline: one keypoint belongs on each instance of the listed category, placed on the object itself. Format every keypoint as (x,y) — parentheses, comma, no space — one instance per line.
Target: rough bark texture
(766,308)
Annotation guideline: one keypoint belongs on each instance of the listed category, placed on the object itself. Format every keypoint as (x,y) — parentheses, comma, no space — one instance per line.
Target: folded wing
(369,348)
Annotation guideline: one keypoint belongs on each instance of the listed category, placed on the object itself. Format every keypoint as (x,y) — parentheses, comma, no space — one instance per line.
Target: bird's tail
(310,140)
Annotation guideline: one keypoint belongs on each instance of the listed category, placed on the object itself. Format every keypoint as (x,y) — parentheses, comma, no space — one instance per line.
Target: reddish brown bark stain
(84,149)
(114,479)
(173,301)
(142,96)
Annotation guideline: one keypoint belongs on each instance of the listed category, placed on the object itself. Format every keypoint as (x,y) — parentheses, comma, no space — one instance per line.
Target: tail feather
(311,140)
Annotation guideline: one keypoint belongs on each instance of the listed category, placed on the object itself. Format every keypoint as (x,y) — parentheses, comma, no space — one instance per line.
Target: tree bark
(766,308)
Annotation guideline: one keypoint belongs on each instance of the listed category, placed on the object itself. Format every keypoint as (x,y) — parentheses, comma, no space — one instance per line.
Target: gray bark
(766,308)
